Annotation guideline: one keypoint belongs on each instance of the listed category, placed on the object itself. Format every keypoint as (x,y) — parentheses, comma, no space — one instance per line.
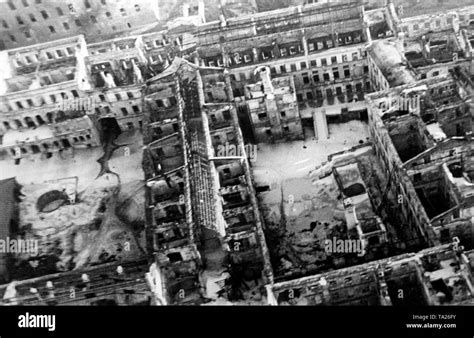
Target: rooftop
(285,19)
(432,48)
(13,137)
(391,62)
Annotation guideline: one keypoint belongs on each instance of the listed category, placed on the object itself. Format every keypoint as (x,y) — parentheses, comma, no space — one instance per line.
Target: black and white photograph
(238,153)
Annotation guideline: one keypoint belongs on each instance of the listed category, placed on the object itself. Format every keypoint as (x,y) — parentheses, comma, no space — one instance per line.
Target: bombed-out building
(233,8)
(423,120)
(117,69)
(107,284)
(199,93)
(62,94)
(29,22)
(202,218)
(43,101)
(272,107)
(413,23)
(428,45)
(358,209)
(436,276)
(171,231)
(319,45)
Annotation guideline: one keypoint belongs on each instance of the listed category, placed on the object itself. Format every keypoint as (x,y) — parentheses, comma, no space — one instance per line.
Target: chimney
(426,47)
(222,20)
(400,42)
(185,10)
(455,22)
(264,73)
(202,11)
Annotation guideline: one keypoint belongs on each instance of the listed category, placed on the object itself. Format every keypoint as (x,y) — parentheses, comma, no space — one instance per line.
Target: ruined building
(203,222)
(421,126)
(107,284)
(43,100)
(191,87)
(422,17)
(29,22)
(422,157)
(435,276)
(233,8)
(272,107)
(117,69)
(58,95)
(319,45)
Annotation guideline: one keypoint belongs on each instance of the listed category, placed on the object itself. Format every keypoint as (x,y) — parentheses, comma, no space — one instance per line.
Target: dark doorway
(35,149)
(245,124)
(66,143)
(109,129)
(175,257)
(40,120)
(29,122)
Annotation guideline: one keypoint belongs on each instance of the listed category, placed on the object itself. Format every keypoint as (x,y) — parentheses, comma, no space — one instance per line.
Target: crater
(52,200)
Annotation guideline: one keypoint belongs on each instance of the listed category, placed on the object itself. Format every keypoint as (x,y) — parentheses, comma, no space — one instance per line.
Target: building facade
(29,22)
(43,103)
(319,45)
(201,205)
